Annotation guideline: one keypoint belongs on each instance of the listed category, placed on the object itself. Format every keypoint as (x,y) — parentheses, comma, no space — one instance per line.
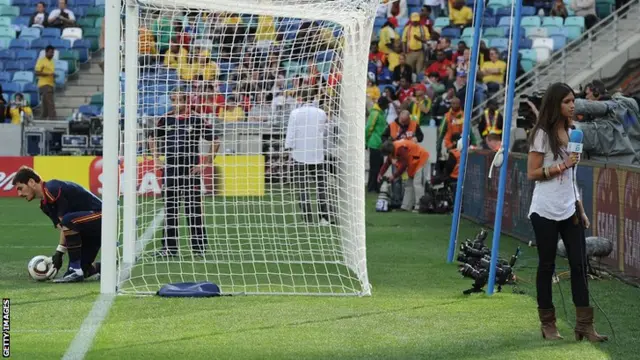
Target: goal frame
(357,29)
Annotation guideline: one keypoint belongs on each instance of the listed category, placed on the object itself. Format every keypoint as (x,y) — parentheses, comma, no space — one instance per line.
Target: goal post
(226,75)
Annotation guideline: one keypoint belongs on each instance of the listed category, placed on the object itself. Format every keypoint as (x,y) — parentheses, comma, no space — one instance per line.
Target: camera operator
(608,124)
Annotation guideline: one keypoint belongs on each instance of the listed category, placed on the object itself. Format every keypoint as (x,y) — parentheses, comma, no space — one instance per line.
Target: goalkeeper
(76,212)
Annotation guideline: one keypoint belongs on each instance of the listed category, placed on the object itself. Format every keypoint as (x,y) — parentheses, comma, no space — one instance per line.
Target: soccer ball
(39,268)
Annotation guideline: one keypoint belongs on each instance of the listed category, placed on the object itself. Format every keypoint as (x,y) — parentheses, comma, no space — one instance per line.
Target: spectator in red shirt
(440,65)
(375,54)
(405,91)
(462,46)
(208,101)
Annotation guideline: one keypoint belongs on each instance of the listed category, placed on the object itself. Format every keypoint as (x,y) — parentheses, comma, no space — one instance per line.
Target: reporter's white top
(553,199)
(305,134)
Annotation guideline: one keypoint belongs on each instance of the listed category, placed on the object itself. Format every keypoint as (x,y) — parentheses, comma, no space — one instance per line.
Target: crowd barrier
(229,175)
(610,193)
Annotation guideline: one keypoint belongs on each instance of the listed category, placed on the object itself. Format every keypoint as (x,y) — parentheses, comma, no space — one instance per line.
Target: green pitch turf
(417,310)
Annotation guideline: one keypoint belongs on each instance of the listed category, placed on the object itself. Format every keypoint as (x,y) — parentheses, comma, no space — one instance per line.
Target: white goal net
(220,182)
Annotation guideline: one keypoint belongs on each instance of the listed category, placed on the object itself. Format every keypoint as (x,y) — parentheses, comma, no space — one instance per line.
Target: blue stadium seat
(30,33)
(62,65)
(535,32)
(13,66)
(22,3)
(100,3)
(40,44)
(528,11)
(9,11)
(23,77)
(572,32)
(11,88)
(528,60)
(505,22)
(552,21)
(502,12)
(25,11)
(497,4)
(29,64)
(575,21)
(500,43)
(441,22)
(324,56)
(21,21)
(417,3)
(489,21)
(5,77)
(17,44)
(525,43)
(5,21)
(7,32)
(27,55)
(451,32)
(559,41)
(1,65)
(60,79)
(50,33)
(7,55)
(530,21)
(494,32)
(83,47)
(61,44)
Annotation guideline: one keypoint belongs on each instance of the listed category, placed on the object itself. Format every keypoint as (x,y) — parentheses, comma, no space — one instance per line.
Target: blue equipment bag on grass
(190,289)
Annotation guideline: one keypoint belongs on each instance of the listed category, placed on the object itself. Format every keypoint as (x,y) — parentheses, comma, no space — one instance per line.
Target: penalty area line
(83,340)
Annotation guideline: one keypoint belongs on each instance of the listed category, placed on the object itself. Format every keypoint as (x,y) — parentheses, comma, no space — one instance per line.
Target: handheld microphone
(575,141)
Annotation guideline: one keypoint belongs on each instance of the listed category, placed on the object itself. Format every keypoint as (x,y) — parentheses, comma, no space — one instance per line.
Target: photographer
(608,125)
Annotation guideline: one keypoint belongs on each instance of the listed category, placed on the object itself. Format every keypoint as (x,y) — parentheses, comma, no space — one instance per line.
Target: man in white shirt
(305,137)
(62,17)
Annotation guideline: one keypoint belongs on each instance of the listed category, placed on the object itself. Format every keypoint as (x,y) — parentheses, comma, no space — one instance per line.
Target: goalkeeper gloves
(57,257)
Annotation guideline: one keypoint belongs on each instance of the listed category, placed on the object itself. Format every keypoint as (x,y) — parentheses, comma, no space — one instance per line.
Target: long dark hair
(550,116)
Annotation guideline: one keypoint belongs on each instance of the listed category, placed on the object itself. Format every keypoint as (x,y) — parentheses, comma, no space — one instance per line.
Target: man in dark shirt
(76,212)
(177,137)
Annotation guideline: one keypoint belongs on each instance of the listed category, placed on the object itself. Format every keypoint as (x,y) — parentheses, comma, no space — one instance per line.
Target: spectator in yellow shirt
(460,15)
(414,37)
(20,111)
(175,56)
(373,92)
(266,30)
(232,111)
(493,71)
(393,57)
(45,70)
(198,66)
(388,35)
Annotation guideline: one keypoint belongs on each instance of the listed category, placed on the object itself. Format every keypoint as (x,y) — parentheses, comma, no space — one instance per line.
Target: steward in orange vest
(403,128)
(407,155)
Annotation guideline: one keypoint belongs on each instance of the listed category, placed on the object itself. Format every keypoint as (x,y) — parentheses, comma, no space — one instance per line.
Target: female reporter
(556,209)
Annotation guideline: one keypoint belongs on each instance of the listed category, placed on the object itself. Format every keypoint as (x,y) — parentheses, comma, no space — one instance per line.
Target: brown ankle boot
(584,326)
(548,324)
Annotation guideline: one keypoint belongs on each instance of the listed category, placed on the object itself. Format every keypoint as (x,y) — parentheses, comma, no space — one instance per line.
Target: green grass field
(417,310)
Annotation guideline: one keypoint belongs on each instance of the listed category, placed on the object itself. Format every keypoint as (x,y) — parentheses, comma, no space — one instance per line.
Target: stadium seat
(96,12)
(542,55)
(61,44)
(30,33)
(40,44)
(528,60)
(500,43)
(551,31)
(5,3)
(525,43)
(572,32)
(552,21)
(21,3)
(10,11)
(489,21)
(86,23)
(60,79)
(450,32)
(98,23)
(494,32)
(4,42)
(89,110)
(497,4)
(5,77)
(7,55)
(63,66)
(7,32)
(604,9)
(13,66)
(71,34)
(32,89)
(559,41)
(72,57)
(17,44)
(503,12)
(535,32)
(23,77)
(100,3)
(575,21)
(82,46)
(505,22)
(546,43)
(85,3)
(25,11)
(26,55)
(21,22)
(5,21)
(11,88)
(531,22)
(50,33)
(528,11)
(441,22)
